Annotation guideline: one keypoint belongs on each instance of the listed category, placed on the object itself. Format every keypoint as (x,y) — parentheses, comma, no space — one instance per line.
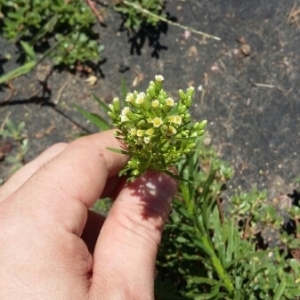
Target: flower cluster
(156,130)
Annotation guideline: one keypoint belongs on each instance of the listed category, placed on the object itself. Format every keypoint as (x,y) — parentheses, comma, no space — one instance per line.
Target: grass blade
(18,72)
(101,103)
(94,118)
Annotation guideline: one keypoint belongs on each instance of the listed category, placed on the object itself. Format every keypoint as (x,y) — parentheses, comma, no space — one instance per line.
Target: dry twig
(97,13)
(294,16)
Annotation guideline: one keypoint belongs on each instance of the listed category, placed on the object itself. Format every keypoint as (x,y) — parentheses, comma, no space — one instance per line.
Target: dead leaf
(91,80)
(193,51)
(47,131)
(5,148)
(43,71)
(139,77)
(294,16)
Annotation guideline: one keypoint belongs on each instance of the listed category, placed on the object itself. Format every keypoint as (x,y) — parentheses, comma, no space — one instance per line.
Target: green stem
(147,12)
(208,248)
(217,264)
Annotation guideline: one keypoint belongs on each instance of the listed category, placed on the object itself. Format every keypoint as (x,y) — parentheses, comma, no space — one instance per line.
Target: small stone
(245,49)
(207,141)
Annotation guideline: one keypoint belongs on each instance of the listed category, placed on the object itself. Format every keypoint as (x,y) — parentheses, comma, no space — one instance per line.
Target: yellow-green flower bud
(202,124)
(141,124)
(190,91)
(187,116)
(116,105)
(181,109)
(181,95)
(159,78)
(188,101)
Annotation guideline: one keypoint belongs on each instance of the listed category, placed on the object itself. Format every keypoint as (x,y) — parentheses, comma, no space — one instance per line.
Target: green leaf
(101,103)
(94,118)
(122,172)
(48,27)
(232,242)
(11,126)
(214,292)
(21,126)
(185,139)
(28,50)
(4,133)
(18,72)
(280,290)
(181,240)
(175,176)
(117,150)
(123,91)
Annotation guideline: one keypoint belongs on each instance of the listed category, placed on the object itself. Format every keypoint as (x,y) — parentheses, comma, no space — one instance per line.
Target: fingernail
(157,191)
(161,185)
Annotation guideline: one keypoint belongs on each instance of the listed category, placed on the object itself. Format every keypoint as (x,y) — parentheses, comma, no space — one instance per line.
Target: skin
(53,247)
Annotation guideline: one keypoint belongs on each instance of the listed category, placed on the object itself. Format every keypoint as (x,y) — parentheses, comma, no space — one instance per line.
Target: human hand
(51,244)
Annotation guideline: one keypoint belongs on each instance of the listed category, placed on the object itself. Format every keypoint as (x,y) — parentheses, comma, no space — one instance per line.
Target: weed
(16,133)
(242,247)
(156,130)
(133,18)
(67,23)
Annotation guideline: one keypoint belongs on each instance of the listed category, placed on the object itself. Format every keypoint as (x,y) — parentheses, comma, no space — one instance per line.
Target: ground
(246,85)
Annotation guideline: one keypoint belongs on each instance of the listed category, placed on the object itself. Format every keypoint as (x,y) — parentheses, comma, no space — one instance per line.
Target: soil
(246,85)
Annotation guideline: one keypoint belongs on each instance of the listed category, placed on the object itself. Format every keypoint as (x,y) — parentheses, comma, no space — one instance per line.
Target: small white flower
(172,130)
(140,98)
(178,120)
(191,89)
(124,119)
(170,101)
(155,103)
(150,131)
(140,132)
(159,78)
(129,97)
(146,139)
(175,119)
(125,111)
(157,121)
(171,119)
(91,80)
(133,131)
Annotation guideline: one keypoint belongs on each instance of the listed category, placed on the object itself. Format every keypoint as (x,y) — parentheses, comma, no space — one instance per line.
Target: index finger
(64,188)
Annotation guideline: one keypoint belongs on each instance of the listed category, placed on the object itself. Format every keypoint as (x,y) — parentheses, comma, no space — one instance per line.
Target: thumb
(125,254)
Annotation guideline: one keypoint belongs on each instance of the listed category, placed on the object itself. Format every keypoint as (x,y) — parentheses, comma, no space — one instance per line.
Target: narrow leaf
(101,103)
(95,119)
(28,50)
(47,27)
(123,91)
(117,150)
(280,290)
(18,72)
